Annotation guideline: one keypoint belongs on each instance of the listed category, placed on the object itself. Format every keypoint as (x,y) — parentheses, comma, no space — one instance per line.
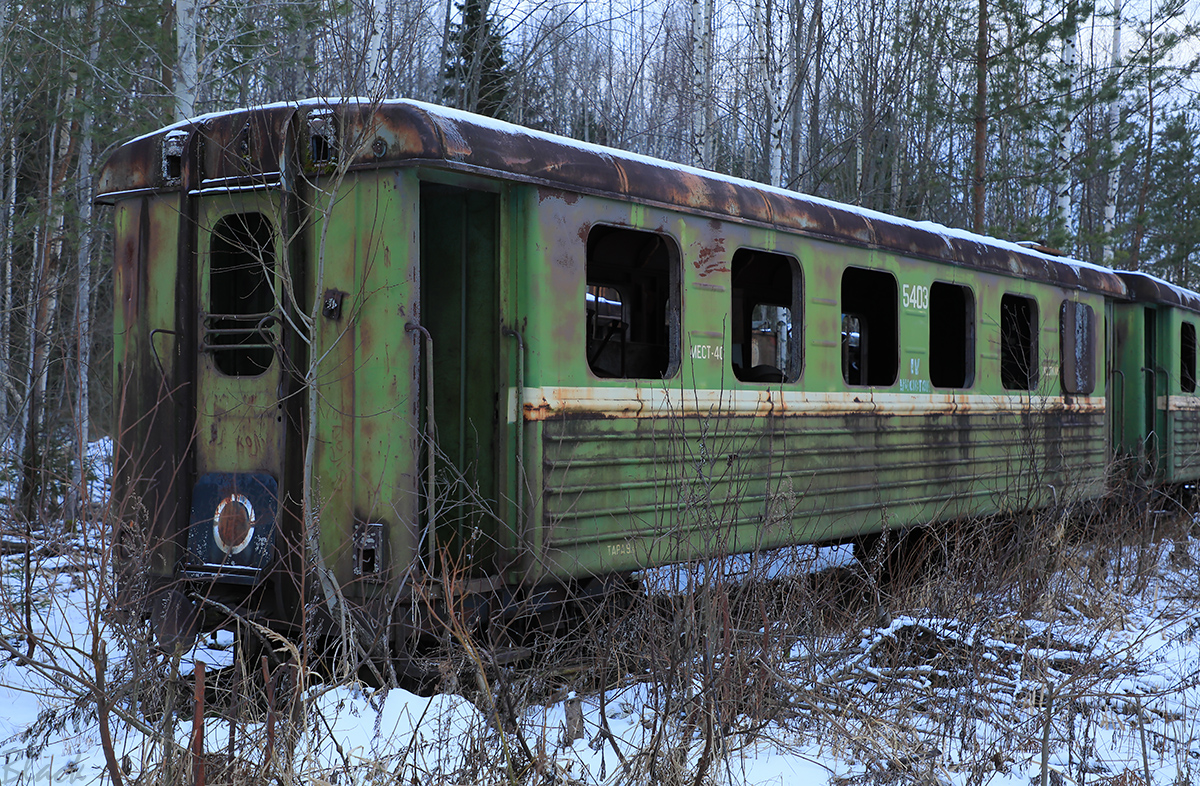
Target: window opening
(1018,343)
(870,336)
(632,304)
(765,310)
(1077,334)
(172,163)
(951,335)
(241,315)
(1187,357)
(322,136)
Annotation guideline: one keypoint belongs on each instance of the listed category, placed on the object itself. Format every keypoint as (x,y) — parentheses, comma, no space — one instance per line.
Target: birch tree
(701,83)
(76,491)
(1113,118)
(1066,128)
(772,85)
(187,68)
(46,286)
(8,187)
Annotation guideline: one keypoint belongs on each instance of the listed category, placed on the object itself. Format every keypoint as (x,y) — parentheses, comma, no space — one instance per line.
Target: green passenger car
(379,346)
(1156,407)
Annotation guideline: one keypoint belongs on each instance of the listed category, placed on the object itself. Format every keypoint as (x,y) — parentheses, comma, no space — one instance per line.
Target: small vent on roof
(322,136)
(172,156)
(1035,245)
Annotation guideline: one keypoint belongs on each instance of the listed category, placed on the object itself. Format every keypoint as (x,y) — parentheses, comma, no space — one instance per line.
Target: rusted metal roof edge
(514,153)
(1143,287)
(1102,282)
(425,134)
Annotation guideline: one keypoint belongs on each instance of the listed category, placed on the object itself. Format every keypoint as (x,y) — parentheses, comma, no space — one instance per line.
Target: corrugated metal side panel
(622,491)
(1185,445)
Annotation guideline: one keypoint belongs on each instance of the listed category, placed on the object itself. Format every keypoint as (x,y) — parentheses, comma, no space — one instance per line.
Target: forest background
(1065,123)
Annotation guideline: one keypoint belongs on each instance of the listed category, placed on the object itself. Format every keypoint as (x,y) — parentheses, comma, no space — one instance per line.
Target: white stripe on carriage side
(1179,403)
(651,402)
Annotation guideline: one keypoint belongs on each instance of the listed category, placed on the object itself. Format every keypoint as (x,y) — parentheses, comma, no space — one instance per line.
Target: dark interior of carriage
(1018,342)
(241,298)
(951,335)
(764,306)
(870,338)
(632,303)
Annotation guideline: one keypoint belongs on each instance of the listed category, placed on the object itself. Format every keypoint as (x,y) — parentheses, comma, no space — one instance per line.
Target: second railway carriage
(491,354)
(1155,403)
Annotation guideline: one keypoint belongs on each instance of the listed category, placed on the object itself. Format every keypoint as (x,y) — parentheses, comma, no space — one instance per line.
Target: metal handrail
(520,393)
(430,531)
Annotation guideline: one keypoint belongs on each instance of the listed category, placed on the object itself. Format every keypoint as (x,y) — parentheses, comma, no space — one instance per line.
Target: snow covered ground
(1095,677)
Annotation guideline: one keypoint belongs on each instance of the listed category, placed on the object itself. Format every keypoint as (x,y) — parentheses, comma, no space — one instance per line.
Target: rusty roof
(250,145)
(1145,288)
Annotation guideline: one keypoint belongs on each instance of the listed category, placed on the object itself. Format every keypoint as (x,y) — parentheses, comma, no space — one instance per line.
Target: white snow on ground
(1122,673)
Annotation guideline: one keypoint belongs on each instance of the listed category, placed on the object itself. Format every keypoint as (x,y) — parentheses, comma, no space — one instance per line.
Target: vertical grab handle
(1119,405)
(520,394)
(431,446)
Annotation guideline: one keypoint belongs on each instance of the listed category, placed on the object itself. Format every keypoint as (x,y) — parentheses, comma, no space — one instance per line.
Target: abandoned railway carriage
(499,356)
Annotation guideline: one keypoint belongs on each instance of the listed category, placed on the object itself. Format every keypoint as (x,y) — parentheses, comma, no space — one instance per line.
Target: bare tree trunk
(814,104)
(859,171)
(10,209)
(771,88)
(44,303)
(709,97)
(981,118)
(76,493)
(800,54)
(44,292)
(445,54)
(700,85)
(187,69)
(1114,116)
(1066,127)
(897,182)
(375,13)
(1139,220)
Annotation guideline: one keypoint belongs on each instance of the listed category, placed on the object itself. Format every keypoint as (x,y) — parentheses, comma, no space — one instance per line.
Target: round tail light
(233,524)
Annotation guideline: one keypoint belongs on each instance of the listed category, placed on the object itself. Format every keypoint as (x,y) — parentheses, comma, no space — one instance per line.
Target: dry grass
(966,651)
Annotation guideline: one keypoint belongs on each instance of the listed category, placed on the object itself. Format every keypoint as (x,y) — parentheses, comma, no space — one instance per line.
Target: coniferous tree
(478,77)
(1173,211)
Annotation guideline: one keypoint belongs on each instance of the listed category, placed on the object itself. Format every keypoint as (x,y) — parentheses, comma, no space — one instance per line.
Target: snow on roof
(875,216)
(456,126)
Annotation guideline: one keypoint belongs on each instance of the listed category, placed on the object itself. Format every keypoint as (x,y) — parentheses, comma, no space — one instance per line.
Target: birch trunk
(699,85)
(77,493)
(444,60)
(376,13)
(814,104)
(187,68)
(45,303)
(1066,128)
(1114,116)
(10,208)
(800,50)
(771,87)
(7,394)
(709,97)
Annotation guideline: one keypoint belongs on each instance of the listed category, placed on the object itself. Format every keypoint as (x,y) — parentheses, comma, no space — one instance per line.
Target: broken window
(765,305)
(1187,357)
(1078,337)
(951,335)
(241,313)
(1018,343)
(632,304)
(870,335)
